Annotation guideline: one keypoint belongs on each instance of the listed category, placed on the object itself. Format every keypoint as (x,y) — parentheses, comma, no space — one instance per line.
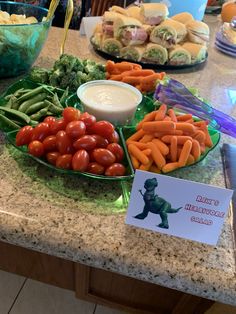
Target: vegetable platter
(49,124)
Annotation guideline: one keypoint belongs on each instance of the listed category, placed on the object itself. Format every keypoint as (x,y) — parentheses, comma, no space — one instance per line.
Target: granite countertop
(84,220)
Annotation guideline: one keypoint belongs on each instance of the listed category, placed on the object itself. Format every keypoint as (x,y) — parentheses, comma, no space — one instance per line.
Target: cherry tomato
(86,142)
(52,157)
(95,168)
(40,132)
(88,119)
(57,126)
(117,150)
(50,143)
(36,148)
(23,136)
(114,138)
(71,114)
(64,161)
(103,128)
(80,160)
(104,157)
(75,129)
(101,141)
(115,170)
(49,120)
(64,143)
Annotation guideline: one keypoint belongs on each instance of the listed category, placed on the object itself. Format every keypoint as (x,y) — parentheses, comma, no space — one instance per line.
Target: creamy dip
(110,97)
(110,100)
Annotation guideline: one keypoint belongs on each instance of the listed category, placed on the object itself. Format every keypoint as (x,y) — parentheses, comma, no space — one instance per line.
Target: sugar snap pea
(38,115)
(6,123)
(17,114)
(64,96)
(35,107)
(56,101)
(14,103)
(26,104)
(31,93)
(8,97)
(53,108)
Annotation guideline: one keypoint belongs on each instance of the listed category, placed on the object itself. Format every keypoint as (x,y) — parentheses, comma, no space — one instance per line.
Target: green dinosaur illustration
(155,204)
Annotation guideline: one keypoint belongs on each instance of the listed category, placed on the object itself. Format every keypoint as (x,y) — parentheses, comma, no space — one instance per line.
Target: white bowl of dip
(110,100)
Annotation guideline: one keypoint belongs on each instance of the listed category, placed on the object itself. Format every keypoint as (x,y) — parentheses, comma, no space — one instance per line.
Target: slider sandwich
(108,22)
(119,10)
(198,52)
(134,11)
(179,56)
(198,32)
(129,31)
(97,36)
(168,33)
(153,13)
(111,46)
(183,17)
(134,53)
(155,54)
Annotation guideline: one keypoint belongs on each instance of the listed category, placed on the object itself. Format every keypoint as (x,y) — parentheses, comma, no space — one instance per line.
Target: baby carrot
(142,73)
(199,136)
(124,66)
(184,117)
(116,77)
(158,126)
(132,80)
(190,160)
(173,149)
(152,77)
(170,167)
(161,113)
(138,144)
(164,149)
(146,138)
(189,121)
(147,166)
(174,132)
(181,139)
(172,115)
(157,155)
(134,161)
(167,118)
(110,66)
(200,123)
(136,136)
(203,148)
(185,127)
(136,152)
(147,152)
(208,141)
(185,153)
(149,117)
(154,168)
(196,150)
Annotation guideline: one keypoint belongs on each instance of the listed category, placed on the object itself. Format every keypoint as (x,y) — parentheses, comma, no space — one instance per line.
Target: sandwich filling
(165,35)
(112,47)
(130,55)
(107,28)
(153,20)
(179,58)
(154,55)
(204,37)
(129,34)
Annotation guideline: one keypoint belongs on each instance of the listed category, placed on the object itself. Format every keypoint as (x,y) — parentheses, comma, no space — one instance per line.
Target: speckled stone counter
(83,220)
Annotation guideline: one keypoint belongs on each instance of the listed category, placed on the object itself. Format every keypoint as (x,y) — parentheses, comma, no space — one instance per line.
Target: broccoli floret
(39,75)
(82,77)
(96,75)
(90,66)
(55,77)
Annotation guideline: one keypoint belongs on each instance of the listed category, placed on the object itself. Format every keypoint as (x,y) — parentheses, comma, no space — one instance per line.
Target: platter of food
(147,35)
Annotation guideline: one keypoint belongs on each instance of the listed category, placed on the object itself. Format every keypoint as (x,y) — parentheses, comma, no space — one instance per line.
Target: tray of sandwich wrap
(146,35)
